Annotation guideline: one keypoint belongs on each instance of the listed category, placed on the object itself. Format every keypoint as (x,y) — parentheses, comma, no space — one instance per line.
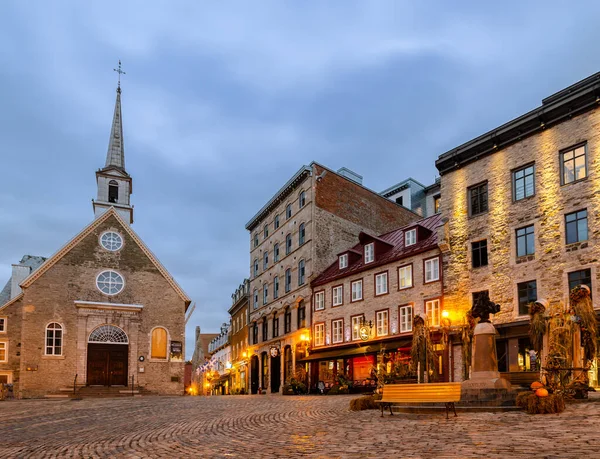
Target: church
(101,311)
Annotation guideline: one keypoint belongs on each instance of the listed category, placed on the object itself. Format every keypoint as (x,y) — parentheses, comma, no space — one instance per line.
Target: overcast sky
(224,101)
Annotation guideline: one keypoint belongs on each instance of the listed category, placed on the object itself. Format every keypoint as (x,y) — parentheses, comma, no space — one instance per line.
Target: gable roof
(395,239)
(111,212)
(33,262)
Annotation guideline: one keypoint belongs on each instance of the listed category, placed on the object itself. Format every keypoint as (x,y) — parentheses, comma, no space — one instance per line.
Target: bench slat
(421,393)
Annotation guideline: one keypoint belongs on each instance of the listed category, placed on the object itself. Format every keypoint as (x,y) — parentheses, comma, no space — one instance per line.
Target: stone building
(521,207)
(102,310)
(423,200)
(239,338)
(364,303)
(297,234)
(219,372)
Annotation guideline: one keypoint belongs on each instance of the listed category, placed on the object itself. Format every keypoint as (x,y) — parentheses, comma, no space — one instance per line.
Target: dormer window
(113,191)
(370,252)
(410,237)
(343,260)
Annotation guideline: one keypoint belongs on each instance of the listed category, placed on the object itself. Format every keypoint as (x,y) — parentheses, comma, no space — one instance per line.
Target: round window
(110,282)
(111,241)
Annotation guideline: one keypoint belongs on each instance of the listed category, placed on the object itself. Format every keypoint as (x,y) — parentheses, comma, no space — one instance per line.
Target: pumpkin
(541,392)
(536,385)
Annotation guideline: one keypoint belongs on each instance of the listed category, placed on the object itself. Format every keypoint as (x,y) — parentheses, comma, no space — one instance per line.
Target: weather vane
(120,72)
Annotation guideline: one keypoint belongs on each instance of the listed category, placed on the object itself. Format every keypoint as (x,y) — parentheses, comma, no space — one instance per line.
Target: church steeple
(114,183)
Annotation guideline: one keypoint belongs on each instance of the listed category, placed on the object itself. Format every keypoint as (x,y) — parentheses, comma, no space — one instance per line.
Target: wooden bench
(447,393)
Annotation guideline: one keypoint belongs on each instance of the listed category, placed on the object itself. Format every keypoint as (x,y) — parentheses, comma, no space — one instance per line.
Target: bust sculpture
(483,307)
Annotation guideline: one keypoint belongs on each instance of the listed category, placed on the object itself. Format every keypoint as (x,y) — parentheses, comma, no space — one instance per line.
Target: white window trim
(343,261)
(410,271)
(62,339)
(116,272)
(115,232)
(412,232)
(4,328)
(341,331)
(320,298)
(320,342)
(437,260)
(409,325)
(371,246)
(9,374)
(5,342)
(356,282)
(387,321)
(356,327)
(377,277)
(340,297)
(434,321)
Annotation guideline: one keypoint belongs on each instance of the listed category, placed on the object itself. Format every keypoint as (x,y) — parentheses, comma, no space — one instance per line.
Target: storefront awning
(358,350)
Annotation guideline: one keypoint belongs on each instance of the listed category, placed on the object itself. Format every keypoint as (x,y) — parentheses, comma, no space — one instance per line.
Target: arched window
(301,234)
(266,260)
(255,267)
(302,199)
(54,339)
(265,293)
(301,272)
(255,295)
(159,343)
(266,231)
(113,191)
(288,244)
(276,253)
(108,334)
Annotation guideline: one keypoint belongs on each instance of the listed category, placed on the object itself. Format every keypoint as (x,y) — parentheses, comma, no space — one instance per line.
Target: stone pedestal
(485,378)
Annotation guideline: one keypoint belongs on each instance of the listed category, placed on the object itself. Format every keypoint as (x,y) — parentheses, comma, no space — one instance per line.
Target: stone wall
(12,337)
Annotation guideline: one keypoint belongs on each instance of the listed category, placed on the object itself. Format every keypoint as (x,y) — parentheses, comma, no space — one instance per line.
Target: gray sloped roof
(33,262)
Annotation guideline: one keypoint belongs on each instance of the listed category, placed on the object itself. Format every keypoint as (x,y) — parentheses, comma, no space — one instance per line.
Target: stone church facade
(102,311)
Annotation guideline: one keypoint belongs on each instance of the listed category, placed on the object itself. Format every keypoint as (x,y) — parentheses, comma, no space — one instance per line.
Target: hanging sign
(176,351)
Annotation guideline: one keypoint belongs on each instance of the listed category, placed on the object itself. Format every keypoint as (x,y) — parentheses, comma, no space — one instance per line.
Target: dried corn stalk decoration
(537,325)
(582,313)
(422,353)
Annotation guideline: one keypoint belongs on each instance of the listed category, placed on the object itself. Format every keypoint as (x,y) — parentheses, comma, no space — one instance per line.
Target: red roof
(397,252)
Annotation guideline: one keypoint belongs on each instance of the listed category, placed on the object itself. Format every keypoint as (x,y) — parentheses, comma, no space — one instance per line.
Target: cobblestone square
(274,426)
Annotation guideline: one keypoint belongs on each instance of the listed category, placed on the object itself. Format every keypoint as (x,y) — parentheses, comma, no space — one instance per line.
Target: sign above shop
(364,333)
(274,351)
(176,351)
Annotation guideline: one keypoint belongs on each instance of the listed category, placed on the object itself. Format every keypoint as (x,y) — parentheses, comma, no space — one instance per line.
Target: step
(459,409)
(56,396)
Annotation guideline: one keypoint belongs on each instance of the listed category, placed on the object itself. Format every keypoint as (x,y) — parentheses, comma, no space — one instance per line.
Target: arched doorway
(287,364)
(254,374)
(107,357)
(275,373)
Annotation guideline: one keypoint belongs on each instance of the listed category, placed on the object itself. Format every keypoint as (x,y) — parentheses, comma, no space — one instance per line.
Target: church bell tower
(113,181)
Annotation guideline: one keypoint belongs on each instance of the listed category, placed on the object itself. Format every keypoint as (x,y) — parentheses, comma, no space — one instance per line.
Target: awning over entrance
(358,350)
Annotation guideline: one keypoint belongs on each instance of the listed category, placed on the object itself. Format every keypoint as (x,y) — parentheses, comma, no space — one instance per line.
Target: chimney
(19,274)
(350,175)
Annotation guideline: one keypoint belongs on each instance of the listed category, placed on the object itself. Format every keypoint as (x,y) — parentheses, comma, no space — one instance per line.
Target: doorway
(254,374)
(107,364)
(275,374)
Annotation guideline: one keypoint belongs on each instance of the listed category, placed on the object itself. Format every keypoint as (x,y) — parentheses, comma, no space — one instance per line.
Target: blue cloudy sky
(223,101)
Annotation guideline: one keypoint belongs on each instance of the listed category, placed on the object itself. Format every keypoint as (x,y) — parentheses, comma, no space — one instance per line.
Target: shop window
(159,343)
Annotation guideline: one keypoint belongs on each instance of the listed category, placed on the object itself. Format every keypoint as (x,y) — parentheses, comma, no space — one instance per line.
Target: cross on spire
(120,72)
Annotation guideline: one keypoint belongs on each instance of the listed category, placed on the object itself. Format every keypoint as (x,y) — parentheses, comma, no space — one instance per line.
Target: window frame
(276,222)
(525,236)
(3,324)
(412,278)
(288,276)
(265,330)
(154,357)
(413,240)
(333,322)
(256,266)
(439,312)
(275,326)
(470,190)
(387,333)
(276,253)
(514,179)
(5,349)
(255,238)
(356,337)
(301,234)
(315,334)
(54,346)
(287,321)
(370,245)
(276,287)
(301,317)
(345,264)
(561,156)
(437,204)
(288,243)
(479,251)
(265,293)
(301,199)
(387,283)
(123,284)
(519,313)
(318,294)
(587,226)
(265,260)
(357,282)
(255,299)
(341,295)
(439,264)
(301,272)
(410,322)
(266,231)
(288,211)
(579,271)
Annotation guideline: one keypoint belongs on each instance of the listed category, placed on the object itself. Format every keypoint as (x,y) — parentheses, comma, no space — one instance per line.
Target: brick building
(522,209)
(296,235)
(239,338)
(366,300)
(102,310)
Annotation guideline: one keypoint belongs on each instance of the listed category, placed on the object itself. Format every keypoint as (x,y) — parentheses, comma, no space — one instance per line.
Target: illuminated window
(381,284)
(432,269)
(357,290)
(524,182)
(573,164)
(576,226)
(410,237)
(343,261)
(337,327)
(405,279)
(356,323)
(159,343)
(369,252)
(319,301)
(319,334)
(337,294)
(432,309)
(382,323)
(437,200)
(478,199)
(3,351)
(406,318)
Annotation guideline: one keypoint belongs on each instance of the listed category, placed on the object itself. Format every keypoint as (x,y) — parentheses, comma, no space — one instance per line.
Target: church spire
(116,148)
